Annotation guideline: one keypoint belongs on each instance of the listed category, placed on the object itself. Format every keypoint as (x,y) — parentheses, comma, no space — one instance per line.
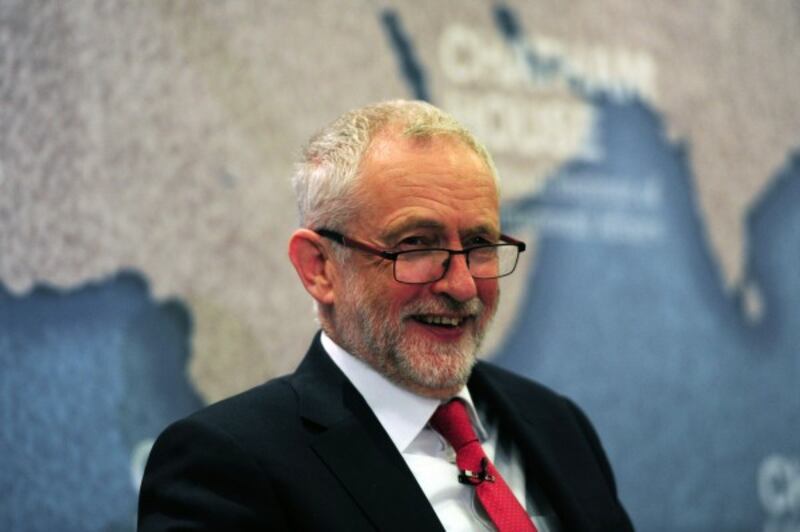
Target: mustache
(445,305)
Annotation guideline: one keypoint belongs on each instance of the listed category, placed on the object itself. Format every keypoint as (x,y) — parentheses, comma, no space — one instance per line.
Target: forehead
(436,181)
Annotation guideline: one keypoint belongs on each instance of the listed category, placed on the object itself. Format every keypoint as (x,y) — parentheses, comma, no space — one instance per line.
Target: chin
(435,367)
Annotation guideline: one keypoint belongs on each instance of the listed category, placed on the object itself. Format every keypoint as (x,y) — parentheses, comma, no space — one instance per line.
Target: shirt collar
(402,414)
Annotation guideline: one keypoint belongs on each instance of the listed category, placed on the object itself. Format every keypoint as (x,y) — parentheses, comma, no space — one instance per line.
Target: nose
(457,282)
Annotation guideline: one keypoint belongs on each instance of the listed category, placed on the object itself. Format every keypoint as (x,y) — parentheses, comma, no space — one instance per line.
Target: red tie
(452,421)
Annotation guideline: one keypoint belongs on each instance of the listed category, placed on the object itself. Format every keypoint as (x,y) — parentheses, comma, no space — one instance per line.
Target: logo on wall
(779,492)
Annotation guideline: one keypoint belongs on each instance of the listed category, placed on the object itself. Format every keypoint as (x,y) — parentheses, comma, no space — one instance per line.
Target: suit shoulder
(275,393)
(265,408)
(516,384)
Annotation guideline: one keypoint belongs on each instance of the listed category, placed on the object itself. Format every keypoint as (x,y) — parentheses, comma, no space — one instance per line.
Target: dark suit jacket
(305,452)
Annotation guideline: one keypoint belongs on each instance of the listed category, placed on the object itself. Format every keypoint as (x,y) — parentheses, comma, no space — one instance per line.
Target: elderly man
(389,423)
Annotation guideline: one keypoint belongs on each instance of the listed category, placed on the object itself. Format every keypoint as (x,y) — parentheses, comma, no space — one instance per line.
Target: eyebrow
(390,235)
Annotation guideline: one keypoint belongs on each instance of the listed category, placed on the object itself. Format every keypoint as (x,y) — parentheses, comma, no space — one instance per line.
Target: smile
(441,321)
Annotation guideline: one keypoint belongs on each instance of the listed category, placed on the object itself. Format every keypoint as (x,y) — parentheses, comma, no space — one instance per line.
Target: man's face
(415,194)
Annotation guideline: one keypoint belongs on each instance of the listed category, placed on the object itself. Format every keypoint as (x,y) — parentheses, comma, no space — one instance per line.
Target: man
(389,423)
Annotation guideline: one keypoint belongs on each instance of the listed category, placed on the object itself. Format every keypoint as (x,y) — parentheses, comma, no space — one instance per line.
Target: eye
(415,242)
(477,241)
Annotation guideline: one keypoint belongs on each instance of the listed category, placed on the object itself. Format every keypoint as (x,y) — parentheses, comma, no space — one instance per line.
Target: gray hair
(325,178)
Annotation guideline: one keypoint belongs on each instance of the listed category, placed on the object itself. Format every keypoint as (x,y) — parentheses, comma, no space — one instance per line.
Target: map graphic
(625,301)
(649,156)
(606,321)
(89,378)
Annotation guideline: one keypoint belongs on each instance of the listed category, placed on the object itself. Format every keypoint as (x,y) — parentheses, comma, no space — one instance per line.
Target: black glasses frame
(345,241)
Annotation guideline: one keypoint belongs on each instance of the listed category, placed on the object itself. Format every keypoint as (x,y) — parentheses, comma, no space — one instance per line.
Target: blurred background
(650,157)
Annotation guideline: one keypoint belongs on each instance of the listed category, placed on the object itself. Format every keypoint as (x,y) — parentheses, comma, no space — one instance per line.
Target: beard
(366,327)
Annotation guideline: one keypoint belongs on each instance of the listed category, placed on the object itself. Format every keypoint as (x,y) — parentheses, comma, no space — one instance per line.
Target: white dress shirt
(405,415)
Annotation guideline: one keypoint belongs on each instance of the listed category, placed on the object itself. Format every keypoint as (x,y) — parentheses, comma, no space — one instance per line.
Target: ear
(313,265)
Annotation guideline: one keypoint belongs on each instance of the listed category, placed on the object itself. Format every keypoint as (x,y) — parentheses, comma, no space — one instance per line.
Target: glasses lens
(421,266)
(490,262)
(485,262)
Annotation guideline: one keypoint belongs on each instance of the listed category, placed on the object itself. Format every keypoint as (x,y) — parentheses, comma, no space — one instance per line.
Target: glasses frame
(348,242)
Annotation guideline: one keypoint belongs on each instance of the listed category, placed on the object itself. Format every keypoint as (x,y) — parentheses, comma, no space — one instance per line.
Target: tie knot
(451,420)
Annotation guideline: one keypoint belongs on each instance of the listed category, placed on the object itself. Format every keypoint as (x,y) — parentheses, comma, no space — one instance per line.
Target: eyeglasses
(421,266)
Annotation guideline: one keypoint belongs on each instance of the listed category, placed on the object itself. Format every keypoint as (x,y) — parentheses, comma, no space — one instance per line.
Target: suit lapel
(551,465)
(355,448)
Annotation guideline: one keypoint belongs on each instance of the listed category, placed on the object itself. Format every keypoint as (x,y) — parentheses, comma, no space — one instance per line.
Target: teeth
(441,320)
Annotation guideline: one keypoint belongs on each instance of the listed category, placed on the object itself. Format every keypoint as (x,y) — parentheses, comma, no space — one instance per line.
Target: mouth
(444,322)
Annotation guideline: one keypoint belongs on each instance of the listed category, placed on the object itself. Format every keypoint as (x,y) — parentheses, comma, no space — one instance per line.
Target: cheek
(398,296)
(488,293)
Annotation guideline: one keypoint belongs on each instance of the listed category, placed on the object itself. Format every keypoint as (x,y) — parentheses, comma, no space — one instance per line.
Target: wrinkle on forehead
(384,166)
(439,181)
(391,140)
(393,207)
